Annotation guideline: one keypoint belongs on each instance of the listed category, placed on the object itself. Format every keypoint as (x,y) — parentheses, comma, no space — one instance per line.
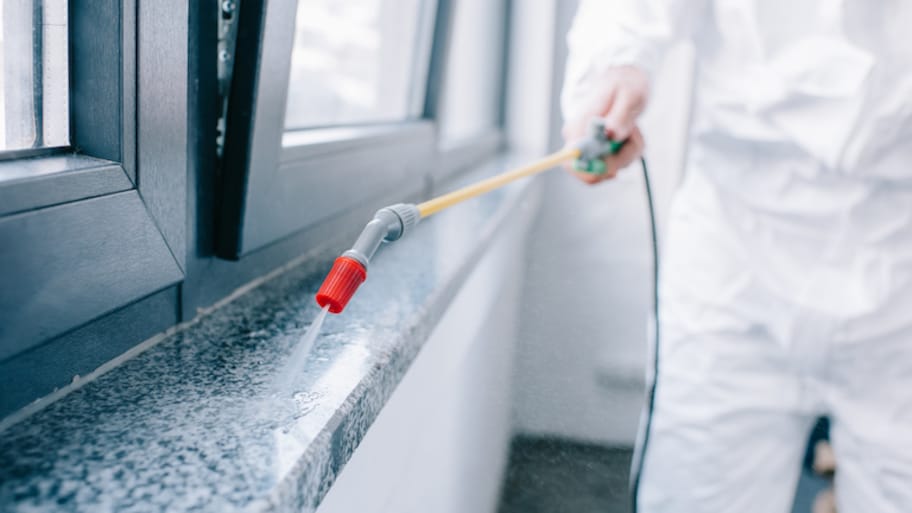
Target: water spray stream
(283,386)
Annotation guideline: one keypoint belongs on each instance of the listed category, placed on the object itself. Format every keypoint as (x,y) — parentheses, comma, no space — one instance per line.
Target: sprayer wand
(391,223)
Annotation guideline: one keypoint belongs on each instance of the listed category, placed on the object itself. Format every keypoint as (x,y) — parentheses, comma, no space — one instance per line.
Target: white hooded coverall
(786,281)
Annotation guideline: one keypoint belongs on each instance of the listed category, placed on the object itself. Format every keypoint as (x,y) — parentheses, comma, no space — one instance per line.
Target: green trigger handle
(596,148)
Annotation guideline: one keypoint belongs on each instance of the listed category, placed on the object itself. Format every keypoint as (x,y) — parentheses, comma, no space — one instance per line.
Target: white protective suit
(786,282)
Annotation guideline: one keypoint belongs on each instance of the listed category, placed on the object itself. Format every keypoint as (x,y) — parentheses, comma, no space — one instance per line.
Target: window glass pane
(471,90)
(357,61)
(34,85)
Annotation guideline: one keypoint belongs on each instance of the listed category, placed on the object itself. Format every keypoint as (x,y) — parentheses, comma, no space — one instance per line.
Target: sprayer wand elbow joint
(389,224)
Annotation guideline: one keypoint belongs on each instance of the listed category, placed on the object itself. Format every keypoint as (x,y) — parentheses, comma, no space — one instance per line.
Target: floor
(557,476)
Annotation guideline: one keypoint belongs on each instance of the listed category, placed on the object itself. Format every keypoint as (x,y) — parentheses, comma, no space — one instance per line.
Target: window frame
(102,137)
(462,153)
(270,180)
(89,229)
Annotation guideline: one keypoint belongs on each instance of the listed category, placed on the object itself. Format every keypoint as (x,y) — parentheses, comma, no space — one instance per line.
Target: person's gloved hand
(623,99)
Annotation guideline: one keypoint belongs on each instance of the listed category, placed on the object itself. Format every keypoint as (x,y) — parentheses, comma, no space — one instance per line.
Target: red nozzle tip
(343,280)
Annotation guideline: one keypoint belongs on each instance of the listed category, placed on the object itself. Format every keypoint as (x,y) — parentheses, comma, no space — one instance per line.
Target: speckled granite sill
(193,423)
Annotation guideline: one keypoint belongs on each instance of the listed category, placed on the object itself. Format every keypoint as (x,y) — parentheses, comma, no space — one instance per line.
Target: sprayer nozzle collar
(343,280)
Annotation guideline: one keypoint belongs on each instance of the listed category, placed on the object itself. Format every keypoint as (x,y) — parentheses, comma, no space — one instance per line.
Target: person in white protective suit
(786,280)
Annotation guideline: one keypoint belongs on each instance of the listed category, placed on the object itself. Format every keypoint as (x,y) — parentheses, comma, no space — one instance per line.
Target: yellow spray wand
(432,206)
(390,223)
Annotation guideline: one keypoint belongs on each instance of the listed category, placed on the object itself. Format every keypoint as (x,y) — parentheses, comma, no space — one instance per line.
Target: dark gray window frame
(92,229)
(102,119)
(275,182)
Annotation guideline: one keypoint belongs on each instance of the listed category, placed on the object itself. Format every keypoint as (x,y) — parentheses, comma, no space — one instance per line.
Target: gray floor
(557,476)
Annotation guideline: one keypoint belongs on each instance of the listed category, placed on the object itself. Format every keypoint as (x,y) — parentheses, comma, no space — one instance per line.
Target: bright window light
(34,84)
(356,62)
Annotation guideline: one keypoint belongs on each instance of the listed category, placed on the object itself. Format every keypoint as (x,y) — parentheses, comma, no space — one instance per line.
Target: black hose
(650,404)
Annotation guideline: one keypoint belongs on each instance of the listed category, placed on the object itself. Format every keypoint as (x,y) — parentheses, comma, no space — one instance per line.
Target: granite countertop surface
(210,418)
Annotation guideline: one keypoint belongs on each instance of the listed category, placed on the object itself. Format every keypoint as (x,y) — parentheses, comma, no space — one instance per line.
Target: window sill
(306,144)
(198,403)
(38,182)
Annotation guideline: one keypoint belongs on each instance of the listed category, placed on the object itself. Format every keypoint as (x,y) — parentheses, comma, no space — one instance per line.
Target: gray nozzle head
(407,215)
(389,224)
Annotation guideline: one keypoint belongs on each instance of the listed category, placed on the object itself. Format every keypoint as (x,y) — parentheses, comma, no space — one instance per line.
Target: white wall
(440,444)
(582,348)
